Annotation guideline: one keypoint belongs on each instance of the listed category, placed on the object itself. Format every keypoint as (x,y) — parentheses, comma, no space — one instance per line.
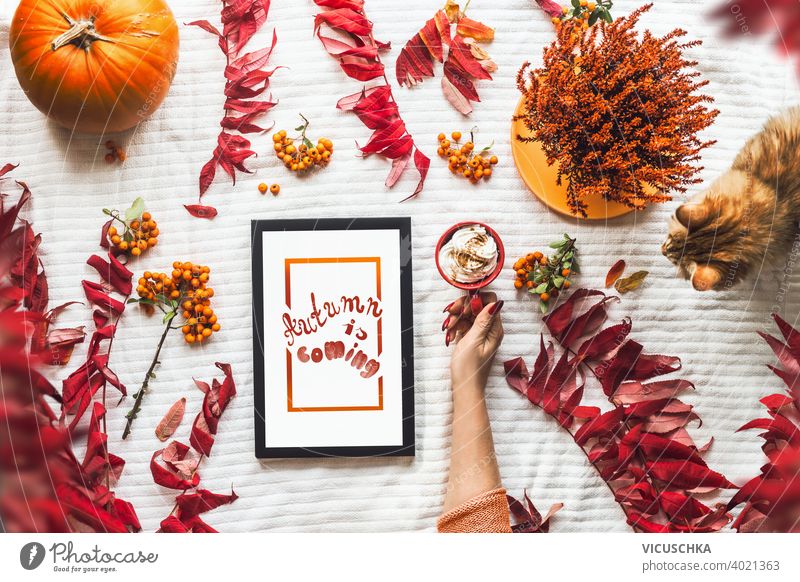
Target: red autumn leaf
(465,63)
(172,524)
(193,504)
(641,446)
(614,273)
(113,272)
(469,28)
(246,79)
(169,423)
(169,478)
(688,475)
(527,517)
(561,317)
(359,57)
(85,511)
(197,525)
(551,7)
(346,19)
(606,423)
(415,61)
(200,211)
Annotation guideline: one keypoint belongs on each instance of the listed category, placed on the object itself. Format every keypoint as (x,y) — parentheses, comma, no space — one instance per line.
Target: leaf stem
(137,404)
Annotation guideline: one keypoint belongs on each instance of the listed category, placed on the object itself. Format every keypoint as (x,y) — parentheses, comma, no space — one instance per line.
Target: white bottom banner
(388,557)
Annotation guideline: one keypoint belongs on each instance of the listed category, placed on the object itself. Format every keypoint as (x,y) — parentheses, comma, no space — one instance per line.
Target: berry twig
(185,288)
(137,403)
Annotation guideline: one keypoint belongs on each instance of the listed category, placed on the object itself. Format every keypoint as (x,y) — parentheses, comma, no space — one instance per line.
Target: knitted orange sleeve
(485,513)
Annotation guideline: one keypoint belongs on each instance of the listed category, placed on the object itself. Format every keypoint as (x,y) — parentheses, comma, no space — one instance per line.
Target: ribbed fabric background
(714,334)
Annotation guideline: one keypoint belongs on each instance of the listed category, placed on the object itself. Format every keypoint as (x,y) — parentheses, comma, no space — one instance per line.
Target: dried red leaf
(640,447)
(614,273)
(171,420)
(359,57)
(193,504)
(462,67)
(246,78)
(200,211)
(551,7)
(169,478)
(527,517)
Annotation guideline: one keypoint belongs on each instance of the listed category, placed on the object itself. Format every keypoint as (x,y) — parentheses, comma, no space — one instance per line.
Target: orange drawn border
(288,298)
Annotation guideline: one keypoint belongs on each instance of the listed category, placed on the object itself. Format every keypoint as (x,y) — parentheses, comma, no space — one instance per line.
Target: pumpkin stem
(81,33)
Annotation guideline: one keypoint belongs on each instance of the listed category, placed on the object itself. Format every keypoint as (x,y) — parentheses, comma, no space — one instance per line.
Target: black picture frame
(403,226)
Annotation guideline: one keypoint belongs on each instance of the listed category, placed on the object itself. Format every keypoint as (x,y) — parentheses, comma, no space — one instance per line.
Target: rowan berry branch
(137,403)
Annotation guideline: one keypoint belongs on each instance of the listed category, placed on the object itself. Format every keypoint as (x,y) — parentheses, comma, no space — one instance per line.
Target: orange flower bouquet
(617,111)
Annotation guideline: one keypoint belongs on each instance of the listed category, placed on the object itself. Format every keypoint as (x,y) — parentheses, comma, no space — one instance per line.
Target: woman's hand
(478,338)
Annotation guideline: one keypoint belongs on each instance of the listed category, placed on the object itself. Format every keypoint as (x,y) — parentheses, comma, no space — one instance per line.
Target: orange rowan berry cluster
(135,236)
(184,290)
(114,152)
(547,276)
(303,156)
(463,160)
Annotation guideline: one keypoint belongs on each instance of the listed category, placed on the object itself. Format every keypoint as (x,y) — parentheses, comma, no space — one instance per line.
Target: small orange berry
(529,284)
(518,283)
(275,189)
(189,338)
(544,297)
(565,273)
(262,187)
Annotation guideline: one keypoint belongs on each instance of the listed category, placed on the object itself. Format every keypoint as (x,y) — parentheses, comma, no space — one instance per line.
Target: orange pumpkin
(95,66)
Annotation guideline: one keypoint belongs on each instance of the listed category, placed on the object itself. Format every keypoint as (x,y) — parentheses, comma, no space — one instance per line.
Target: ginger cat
(748,216)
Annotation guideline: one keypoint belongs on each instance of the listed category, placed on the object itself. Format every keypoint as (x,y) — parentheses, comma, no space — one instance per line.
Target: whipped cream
(469,256)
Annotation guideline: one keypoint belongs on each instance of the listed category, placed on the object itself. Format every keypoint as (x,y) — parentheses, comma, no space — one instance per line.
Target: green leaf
(606,15)
(576,3)
(541,288)
(153,375)
(558,282)
(308,142)
(133,300)
(542,306)
(169,316)
(127,236)
(107,211)
(147,301)
(594,16)
(487,148)
(556,244)
(136,209)
(300,128)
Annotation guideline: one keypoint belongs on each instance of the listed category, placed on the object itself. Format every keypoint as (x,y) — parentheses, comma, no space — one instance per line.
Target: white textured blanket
(715,334)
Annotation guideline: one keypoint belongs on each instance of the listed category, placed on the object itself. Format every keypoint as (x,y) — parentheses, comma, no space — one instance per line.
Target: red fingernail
(496,307)
(449,305)
(446,321)
(447,339)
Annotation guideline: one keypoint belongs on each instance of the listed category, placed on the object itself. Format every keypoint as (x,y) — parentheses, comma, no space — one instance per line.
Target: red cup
(472,288)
